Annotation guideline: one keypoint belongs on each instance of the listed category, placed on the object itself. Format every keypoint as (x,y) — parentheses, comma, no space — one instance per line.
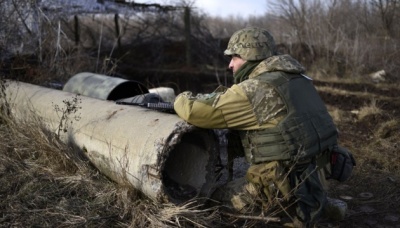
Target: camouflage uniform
(238,107)
(252,107)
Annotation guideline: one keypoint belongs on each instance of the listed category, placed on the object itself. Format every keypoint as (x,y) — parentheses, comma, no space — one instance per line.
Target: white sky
(223,8)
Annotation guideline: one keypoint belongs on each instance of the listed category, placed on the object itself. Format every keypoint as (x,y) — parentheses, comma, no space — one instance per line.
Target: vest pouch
(342,163)
(272,179)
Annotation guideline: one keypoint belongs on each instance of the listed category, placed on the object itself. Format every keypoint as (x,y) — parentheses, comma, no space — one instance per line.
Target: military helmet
(251,44)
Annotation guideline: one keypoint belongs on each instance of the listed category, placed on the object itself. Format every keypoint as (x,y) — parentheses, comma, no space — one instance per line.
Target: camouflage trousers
(264,185)
(267,188)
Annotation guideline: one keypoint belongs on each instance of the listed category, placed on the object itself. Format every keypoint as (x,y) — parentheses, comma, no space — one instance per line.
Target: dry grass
(369,109)
(386,140)
(338,115)
(45,183)
(343,92)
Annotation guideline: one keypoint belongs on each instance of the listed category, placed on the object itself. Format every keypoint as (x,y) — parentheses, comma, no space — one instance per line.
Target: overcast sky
(225,8)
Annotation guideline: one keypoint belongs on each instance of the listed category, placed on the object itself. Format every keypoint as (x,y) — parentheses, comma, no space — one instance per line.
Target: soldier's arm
(229,109)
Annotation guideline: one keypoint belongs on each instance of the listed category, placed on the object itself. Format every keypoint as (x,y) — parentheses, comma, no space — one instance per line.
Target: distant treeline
(331,38)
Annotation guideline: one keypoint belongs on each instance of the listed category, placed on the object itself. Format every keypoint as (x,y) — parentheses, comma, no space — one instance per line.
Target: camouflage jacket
(239,107)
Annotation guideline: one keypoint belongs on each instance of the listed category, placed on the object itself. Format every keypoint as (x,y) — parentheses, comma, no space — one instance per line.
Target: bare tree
(17,25)
(388,10)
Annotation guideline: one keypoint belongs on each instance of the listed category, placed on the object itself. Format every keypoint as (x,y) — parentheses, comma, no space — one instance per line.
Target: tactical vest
(305,132)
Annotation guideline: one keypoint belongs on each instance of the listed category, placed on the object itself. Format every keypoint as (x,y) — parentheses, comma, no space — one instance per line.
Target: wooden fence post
(186,19)
(77,32)
(117,32)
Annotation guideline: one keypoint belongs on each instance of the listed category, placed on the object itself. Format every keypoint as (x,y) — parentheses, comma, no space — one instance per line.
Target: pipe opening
(189,168)
(103,87)
(127,89)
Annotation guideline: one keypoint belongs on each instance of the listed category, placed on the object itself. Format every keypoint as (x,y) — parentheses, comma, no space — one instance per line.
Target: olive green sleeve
(228,109)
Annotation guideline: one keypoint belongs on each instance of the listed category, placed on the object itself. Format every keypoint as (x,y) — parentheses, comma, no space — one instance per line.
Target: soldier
(277,120)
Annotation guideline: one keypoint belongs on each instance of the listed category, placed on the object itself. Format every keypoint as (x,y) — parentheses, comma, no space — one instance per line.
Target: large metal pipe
(103,87)
(112,88)
(157,153)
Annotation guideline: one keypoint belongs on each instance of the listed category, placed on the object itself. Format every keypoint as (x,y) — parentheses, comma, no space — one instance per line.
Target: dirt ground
(373,193)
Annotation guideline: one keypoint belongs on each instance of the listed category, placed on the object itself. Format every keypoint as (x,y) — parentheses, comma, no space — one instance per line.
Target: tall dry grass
(45,183)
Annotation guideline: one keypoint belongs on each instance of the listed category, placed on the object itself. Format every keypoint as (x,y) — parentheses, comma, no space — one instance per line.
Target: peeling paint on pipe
(157,153)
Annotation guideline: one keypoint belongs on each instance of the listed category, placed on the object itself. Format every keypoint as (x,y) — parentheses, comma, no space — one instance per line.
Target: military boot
(335,210)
